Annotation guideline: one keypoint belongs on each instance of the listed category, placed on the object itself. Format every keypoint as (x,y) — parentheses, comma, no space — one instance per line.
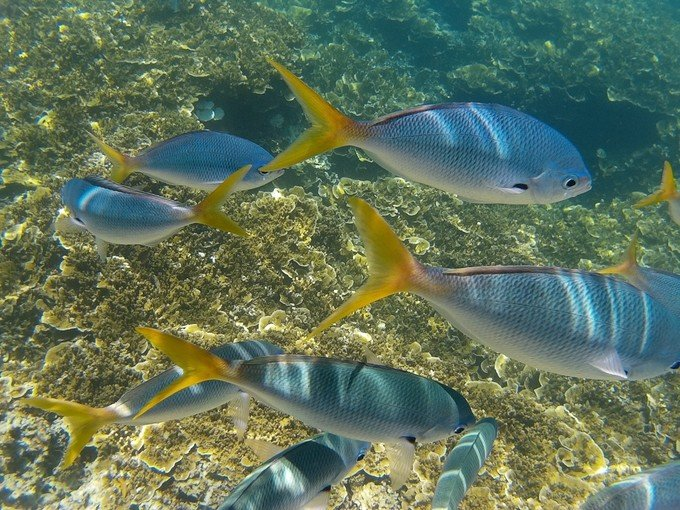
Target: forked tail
(208,211)
(629,264)
(391,268)
(330,128)
(122,165)
(198,365)
(668,189)
(82,421)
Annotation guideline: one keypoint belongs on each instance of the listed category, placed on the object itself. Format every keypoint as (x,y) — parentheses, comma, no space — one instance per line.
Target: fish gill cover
(604,74)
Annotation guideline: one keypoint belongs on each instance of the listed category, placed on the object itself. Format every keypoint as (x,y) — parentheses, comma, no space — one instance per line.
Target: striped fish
(299,476)
(199,160)
(668,193)
(654,489)
(463,464)
(481,152)
(564,321)
(663,286)
(121,215)
(83,421)
(361,401)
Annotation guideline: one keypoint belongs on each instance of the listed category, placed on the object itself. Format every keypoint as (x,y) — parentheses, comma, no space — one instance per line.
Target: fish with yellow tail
(119,214)
(668,193)
(84,421)
(591,325)
(663,286)
(483,153)
(199,160)
(361,401)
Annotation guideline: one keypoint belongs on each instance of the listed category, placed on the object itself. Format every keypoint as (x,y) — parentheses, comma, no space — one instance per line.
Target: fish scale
(292,478)
(583,316)
(449,147)
(363,401)
(564,321)
(203,159)
(481,152)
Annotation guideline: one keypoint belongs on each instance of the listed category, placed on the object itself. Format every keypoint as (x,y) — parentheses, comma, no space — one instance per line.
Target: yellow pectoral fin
(82,421)
(198,365)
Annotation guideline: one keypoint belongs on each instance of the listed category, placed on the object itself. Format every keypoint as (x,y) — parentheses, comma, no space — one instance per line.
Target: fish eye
(360,457)
(521,185)
(569,182)
(675,365)
(458,430)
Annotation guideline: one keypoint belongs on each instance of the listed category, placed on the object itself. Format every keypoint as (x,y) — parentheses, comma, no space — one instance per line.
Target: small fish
(299,476)
(668,193)
(463,464)
(483,153)
(83,421)
(361,401)
(199,160)
(120,215)
(663,286)
(591,325)
(654,489)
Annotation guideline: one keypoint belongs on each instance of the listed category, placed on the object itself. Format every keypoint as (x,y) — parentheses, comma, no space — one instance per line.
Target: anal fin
(320,501)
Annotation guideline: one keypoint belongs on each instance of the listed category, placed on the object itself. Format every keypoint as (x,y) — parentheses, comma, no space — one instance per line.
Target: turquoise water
(605,75)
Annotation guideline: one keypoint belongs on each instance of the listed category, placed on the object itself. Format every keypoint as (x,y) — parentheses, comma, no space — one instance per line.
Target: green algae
(68,319)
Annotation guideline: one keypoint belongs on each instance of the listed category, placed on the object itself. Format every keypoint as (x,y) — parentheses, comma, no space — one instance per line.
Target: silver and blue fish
(83,421)
(298,476)
(564,321)
(655,489)
(119,214)
(463,463)
(483,153)
(199,160)
(362,401)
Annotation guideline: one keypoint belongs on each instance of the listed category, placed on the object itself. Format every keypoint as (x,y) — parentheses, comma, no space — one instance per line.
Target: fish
(668,193)
(653,489)
(663,286)
(358,400)
(299,476)
(122,215)
(199,159)
(463,464)
(591,325)
(483,153)
(84,421)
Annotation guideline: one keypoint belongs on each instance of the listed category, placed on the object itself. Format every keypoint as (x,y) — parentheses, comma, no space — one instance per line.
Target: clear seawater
(605,74)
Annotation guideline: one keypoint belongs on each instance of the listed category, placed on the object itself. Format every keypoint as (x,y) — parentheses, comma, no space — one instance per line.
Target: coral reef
(133,71)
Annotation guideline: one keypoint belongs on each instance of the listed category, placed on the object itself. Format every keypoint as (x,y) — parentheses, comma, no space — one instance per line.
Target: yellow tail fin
(629,264)
(197,364)
(391,268)
(82,421)
(208,211)
(667,191)
(123,165)
(330,128)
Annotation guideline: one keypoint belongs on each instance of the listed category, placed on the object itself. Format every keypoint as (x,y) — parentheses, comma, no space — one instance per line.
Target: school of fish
(619,324)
